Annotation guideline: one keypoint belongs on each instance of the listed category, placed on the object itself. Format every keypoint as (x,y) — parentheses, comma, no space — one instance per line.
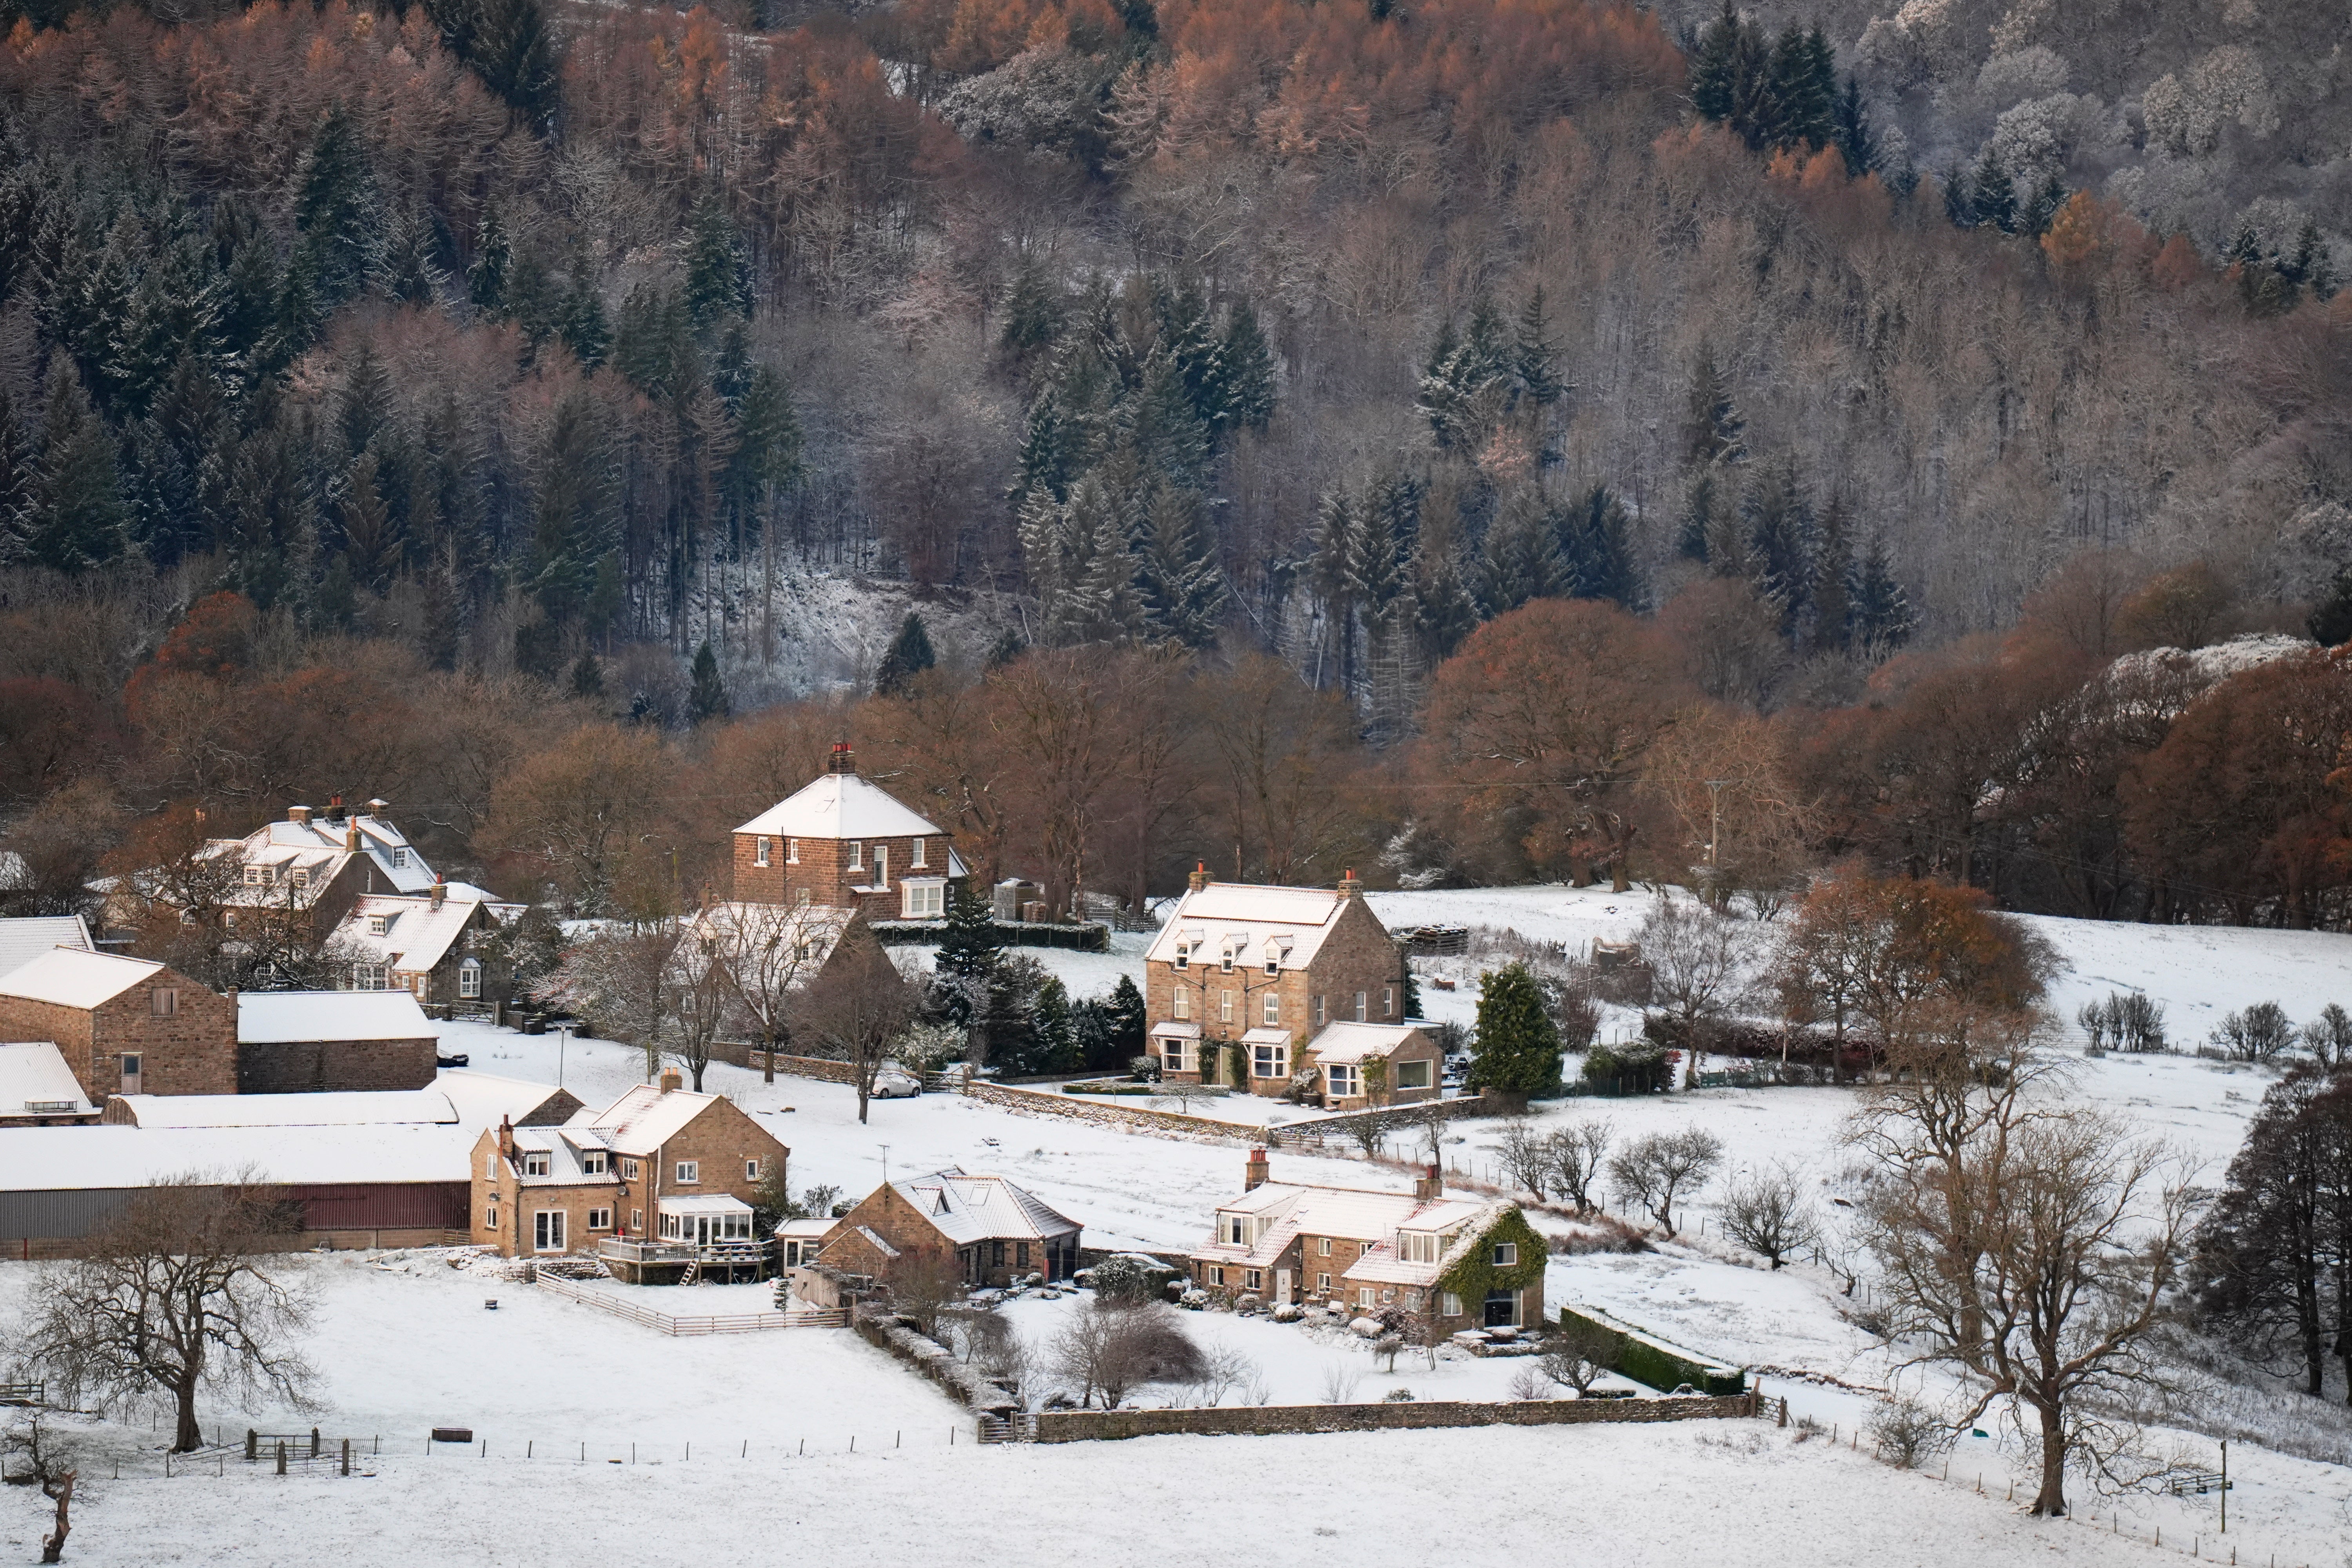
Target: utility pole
(1715,820)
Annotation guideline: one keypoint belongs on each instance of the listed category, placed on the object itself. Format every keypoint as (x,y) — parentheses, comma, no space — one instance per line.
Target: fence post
(314,1442)
(347,1456)
(252,1438)
(281,1456)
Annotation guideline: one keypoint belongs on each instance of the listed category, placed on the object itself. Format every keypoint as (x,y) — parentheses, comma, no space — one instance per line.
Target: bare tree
(1579,1353)
(1528,1383)
(2035,1254)
(1658,1167)
(51,1463)
(1695,956)
(1526,1155)
(1112,1347)
(1224,1370)
(183,1290)
(763,955)
(1766,1212)
(1576,1151)
(619,981)
(855,1008)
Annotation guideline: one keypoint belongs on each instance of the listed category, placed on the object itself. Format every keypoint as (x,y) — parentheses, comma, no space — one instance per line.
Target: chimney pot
(351,837)
(1199,877)
(842,761)
(1257,1172)
(670,1081)
(1350,883)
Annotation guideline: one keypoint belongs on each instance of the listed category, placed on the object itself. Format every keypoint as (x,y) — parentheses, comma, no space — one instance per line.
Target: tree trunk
(186,1435)
(53,1547)
(768,1060)
(2051,1502)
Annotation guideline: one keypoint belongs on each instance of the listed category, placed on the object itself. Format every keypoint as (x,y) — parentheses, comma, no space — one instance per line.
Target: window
(689,1172)
(534,1164)
(299,878)
(1449,1305)
(637,1220)
(1233,1229)
(593,1162)
(470,979)
(599,1219)
(1419,1246)
(1323,1245)
(1224,1006)
(1318,1012)
(1020,1255)
(1216,1274)
(1274,963)
(1252,1278)
(1227,963)
(1345,1081)
(1323,1284)
(367,977)
(801,897)
(1360,1007)
(490,1216)
(629,1170)
(1183,957)
(1172,1056)
(1388,1001)
(399,859)
(163,1003)
(792,851)
(1506,1254)
(1364,1298)
(131,1064)
(921,859)
(996,1255)
(1414,1074)
(1272,1008)
(750,1170)
(378,925)
(1181,1003)
(256,876)
(857,855)
(547,1231)
(1270,1061)
(881,865)
(922,901)
(759,851)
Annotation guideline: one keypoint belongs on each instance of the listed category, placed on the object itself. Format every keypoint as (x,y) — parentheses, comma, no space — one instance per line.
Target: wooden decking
(684,1262)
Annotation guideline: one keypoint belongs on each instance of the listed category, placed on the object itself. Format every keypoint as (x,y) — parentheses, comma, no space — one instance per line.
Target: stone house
(124,1026)
(981,1230)
(1365,1066)
(293,1042)
(428,945)
(1242,978)
(1448,1263)
(845,842)
(313,865)
(659,1184)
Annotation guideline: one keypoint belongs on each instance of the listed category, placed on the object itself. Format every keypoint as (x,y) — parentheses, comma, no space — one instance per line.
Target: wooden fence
(680,1327)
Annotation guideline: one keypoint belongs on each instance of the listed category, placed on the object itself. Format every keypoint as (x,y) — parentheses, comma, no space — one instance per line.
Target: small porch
(702,1238)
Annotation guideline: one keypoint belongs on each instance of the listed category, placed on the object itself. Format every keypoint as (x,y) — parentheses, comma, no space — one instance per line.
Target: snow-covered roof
(1357,1042)
(484,1098)
(805,936)
(1283,1211)
(643,1119)
(840,806)
(36,1081)
(806,1229)
(1253,924)
(403,868)
(333,1108)
(71,978)
(283,1017)
(562,1148)
(1171,1028)
(82,1159)
(26,939)
(981,1209)
(418,932)
(708,1204)
(1262,1036)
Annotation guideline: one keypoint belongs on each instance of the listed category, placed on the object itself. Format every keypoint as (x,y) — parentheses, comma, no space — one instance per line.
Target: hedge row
(1654,1363)
(1088,938)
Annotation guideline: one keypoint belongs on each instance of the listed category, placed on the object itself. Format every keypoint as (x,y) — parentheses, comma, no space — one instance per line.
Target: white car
(892,1083)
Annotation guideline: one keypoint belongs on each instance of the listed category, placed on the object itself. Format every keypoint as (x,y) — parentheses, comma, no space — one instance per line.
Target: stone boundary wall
(934,1361)
(1127,1118)
(1102,1425)
(1343,1124)
(819,1067)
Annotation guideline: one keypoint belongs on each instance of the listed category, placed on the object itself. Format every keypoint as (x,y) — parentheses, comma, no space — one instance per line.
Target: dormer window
(1274,963)
(1233,1229)
(399,857)
(534,1164)
(593,1162)
(1228,964)
(299,877)
(258,876)
(379,925)
(1183,957)
(1419,1246)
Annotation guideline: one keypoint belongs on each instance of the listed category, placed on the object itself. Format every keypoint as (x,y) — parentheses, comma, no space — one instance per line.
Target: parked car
(459,1060)
(896,1083)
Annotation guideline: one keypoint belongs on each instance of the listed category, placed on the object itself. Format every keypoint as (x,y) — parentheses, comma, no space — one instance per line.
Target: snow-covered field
(405,1343)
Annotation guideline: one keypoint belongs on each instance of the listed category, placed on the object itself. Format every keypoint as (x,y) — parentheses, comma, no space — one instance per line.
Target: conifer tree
(1443,611)
(1517,1052)
(706,698)
(1032,315)
(485,281)
(969,942)
(1832,578)
(1881,617)
(1992,198)
(1596,548)
(2331,618)
(588,678)
(583,325)
(1700,505)
(335,209)
(767,456)
(1713,67)
(1246,369)
(1535,353)
(1176,572)
(1850,132)
(909,655)
(73,517)
(1714,432)
(717,276)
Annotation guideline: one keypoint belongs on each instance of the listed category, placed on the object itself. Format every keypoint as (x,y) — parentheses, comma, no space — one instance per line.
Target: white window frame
(535,1163)
(1419,1246)
(400,857)
(1388,1001)
(750,1170)
(1225,1007)
(881,865)
(1173,1054)
(1362,1001)
(1322,1246)
(922,858)
(629,1170)
(792,851)
(1216,1274)
(593,1162)
(1274,1057)
(1319,1019)
(1506,1254)
(599,1219)
(256,876)
(490,1216)
(1179,1004)
(856,854)
(1273,1009)
(546,1227)
(1252,1278)
(379,925)
(368,977)
(1233,1229)
(637,1220)
(689,1172)
(1449,1305)
(469,980)
(759,851)
(1423,1069)
(1363,1297)
(1347,1080)
(299,878)
(1183,957)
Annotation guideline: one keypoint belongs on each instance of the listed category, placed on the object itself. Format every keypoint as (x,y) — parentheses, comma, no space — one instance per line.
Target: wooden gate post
(252,1445)
(314,1442)
(281,1456)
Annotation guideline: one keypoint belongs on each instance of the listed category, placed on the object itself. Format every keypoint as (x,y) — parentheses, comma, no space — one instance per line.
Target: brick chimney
(842,761)
(1199,877)
(300,815)
(670,1081)
(1431,1185)
(334,808)
(1257,1174)
(506,1139)
(375,807)
(440,892)
(351,837)
(1350,885)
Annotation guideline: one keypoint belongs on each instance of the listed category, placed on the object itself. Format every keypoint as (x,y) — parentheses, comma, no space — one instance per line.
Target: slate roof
(1251,922)
(965,1208)
(26,939)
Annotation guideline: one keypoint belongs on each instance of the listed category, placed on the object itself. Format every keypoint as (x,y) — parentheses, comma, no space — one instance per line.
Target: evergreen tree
(509,45)
(1535,353)
(1778,523)
(408,269)
(2034,217)
(588,678)
(1469,382)
(73,517)
(1833,579)
(1176,572)
(1714,66)
(1803,91)
(1852,132)
(1032,315)
(364,410)
(1596,548)
(1880,615)
(1124,1022)
(718,275)
(909,655)
(2331,618)
(1520,559)
(969,942)
(335,209)
(1700,506)
(485,281)
(767,456)
(581,325)
(1713,431)
(1517,1052)
(1444,609)
(1054,1044)
(1246,369)
(706,698)
(1048,462)
(1007,648)
(1993,195)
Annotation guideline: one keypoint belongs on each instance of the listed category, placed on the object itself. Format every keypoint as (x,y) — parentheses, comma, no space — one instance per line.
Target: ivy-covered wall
(1654,1363)
(1475,1274)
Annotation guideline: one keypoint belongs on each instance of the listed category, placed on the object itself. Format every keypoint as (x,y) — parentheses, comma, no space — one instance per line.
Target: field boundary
(691,1325)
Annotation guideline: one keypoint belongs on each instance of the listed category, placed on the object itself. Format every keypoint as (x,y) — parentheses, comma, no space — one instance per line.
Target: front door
(547,1231)
(1281,1286)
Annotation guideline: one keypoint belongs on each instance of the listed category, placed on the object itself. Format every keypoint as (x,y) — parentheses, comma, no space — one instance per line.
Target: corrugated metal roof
(67,1159)
(346,1108)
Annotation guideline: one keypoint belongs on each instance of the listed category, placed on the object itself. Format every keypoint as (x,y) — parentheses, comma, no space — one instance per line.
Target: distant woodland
(1437,436)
